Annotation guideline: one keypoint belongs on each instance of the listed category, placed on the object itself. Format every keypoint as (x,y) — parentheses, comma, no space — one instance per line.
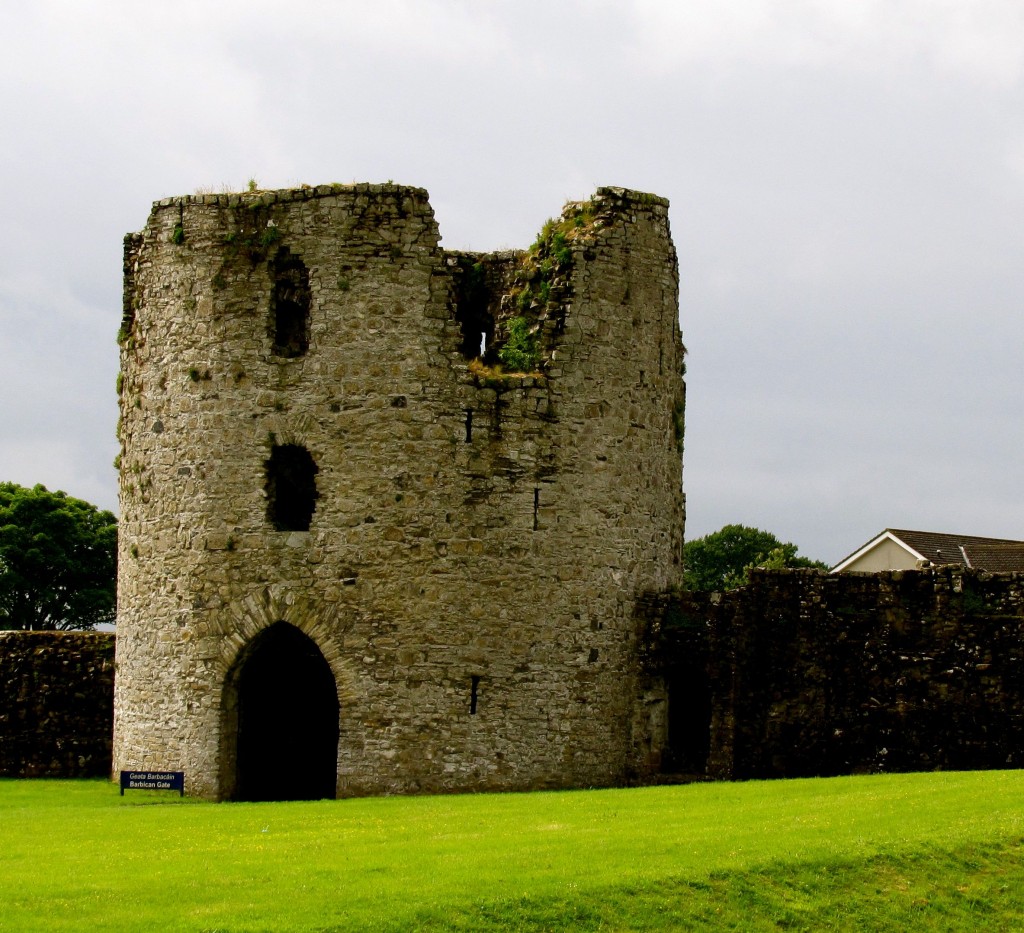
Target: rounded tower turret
(365,547)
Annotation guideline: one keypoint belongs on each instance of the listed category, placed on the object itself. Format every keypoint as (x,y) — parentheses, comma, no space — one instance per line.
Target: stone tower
(386,509)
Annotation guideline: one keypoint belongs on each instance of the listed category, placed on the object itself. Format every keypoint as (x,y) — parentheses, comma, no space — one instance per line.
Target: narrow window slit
(469,425)
(473,689)
(536,506)
(289,304)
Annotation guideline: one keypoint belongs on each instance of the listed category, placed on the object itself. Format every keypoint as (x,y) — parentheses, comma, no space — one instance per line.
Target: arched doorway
(287,719)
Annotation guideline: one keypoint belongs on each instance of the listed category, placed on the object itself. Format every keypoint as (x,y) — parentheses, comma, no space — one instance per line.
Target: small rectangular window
(291,487)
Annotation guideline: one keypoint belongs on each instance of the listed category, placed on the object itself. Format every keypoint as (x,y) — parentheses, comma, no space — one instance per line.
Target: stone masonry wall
(473,531)
(56,704)
(816,674)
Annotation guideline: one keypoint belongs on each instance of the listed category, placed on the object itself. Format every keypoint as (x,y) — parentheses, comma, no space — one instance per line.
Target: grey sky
(846,178)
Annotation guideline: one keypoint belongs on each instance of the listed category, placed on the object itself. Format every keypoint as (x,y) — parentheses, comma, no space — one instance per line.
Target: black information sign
(153,780)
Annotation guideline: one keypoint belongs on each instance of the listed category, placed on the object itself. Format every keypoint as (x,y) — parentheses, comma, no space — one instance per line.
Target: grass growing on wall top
(937,851)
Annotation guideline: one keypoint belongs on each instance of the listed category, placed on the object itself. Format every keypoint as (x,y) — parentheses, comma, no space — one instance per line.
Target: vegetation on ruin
(543,267)
(723,559)
(254,243)
(495,377)
(679,424)
(549,257)
(58,560)
(519,351)
(934,851)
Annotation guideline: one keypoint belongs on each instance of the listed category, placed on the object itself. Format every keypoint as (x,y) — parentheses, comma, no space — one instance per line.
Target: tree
(723,559)
(58,560)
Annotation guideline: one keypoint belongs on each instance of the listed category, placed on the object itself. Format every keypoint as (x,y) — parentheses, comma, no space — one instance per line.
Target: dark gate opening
(688,684)
(689,721)
(287,720)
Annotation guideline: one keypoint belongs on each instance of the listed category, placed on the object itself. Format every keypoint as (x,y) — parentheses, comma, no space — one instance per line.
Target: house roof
(996,555)
(996,558)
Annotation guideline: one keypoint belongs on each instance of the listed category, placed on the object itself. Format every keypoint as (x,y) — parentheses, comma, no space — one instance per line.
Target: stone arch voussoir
(291,429)
(233,634)
(248,615)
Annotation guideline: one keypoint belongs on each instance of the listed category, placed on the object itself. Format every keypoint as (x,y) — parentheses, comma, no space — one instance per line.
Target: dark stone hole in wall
(473,301)
(289,304)
(688,684)
(291,487)
(689,722)
(287,719)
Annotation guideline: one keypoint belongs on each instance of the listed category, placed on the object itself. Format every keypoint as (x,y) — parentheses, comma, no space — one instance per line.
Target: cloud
(978,40)
(58,424)
(846,183)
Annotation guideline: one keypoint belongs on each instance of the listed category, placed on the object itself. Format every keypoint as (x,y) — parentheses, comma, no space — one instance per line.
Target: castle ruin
(387,509)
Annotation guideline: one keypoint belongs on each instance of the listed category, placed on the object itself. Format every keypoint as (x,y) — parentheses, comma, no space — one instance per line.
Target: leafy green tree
(723,559)
(58,560)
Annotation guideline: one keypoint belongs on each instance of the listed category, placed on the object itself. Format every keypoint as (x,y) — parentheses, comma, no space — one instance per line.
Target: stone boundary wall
(56,704)
(798,674)
(815,674)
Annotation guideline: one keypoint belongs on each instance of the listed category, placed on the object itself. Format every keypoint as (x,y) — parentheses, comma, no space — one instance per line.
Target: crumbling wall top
(262,198)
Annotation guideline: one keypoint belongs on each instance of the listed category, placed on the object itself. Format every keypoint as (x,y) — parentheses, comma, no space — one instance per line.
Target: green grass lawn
(892,852)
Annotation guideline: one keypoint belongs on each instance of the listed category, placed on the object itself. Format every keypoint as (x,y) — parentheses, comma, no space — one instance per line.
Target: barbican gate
(387,509)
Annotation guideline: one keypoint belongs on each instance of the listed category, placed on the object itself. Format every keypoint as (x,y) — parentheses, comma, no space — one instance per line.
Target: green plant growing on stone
(541,278)
(678,424)
(257,234)
(560,247)
(270,236)
(125,334)
(254,185)
(519,352)
(178,235)
(550,255)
